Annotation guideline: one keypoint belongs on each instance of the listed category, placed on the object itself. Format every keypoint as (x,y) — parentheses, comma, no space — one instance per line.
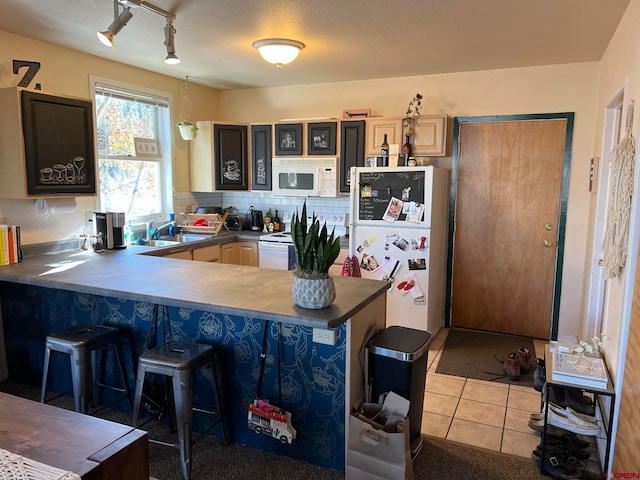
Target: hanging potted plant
(188,128)
(315,252)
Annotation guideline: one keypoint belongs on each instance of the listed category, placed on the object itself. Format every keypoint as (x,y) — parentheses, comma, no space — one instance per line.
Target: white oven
(275,250)
(305,177)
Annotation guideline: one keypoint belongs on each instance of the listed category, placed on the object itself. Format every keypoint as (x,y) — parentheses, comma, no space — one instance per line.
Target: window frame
(164,133)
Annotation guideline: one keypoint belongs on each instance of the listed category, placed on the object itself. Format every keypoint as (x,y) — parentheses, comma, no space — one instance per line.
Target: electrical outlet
(326,337)
(88,217)
(188,208)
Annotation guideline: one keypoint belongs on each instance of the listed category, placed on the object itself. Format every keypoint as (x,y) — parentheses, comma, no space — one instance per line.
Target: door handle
(547,243)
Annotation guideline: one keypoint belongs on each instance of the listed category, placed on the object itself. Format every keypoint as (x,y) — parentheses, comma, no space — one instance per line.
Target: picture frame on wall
(288,138)
(321,138)
(261,157)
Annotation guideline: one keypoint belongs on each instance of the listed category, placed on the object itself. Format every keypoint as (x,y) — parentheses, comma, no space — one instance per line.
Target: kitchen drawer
(207,254)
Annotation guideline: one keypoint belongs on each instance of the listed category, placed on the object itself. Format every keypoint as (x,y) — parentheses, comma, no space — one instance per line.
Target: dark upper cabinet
(46,145)
(261,157)
(218,157)
(352,144)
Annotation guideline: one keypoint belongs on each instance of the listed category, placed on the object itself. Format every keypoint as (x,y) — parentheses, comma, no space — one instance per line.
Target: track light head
(119,21)
(169,31)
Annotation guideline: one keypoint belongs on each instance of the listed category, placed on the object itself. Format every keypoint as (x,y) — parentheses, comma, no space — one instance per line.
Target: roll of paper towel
(56,205)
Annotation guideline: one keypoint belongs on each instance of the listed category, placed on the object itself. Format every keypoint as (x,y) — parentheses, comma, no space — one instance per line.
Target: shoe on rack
(571,413)
(524,359)
(574,424)
(566,438)
(571,398)
(568,450)
(555,466)
(512,366)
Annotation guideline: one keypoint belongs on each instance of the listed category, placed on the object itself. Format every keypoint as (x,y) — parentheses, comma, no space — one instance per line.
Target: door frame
(562,211)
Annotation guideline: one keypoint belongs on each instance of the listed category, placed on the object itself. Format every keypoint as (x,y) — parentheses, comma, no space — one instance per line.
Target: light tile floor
(476,412)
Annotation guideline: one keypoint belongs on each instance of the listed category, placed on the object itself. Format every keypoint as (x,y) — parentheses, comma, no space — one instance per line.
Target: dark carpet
(474,354)
(439,459)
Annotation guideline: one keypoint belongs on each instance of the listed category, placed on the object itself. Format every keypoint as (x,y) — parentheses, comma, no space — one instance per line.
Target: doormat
(472,354)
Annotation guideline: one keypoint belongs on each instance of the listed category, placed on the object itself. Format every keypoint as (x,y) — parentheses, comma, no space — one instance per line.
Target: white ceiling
(345,39)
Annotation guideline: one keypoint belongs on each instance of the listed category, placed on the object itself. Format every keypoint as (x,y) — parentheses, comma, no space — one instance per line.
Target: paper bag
(378,448)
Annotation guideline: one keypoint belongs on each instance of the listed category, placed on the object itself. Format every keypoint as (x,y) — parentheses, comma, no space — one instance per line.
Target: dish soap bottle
(172,227)
(128,234)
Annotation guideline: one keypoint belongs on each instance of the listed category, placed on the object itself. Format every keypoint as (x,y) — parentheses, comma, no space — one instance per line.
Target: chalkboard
(377,189)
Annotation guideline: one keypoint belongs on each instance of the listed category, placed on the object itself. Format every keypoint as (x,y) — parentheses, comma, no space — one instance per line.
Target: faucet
(154,233)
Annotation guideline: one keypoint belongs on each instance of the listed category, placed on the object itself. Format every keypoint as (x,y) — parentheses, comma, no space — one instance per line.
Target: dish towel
(17,467)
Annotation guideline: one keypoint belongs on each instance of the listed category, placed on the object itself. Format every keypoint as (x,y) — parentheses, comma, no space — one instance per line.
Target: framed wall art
(288,139)
(321,138)
(261,157)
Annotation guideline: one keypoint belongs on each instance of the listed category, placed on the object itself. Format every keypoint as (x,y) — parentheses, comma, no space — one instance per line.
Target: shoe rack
(599,404)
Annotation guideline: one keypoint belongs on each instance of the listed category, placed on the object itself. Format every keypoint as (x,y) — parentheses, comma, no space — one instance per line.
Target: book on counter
(579,369)
(10,248)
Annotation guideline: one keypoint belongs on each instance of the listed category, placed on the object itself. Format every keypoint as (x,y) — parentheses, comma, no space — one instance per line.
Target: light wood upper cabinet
(428,140)
(376,129)
(219,157)
(430,137)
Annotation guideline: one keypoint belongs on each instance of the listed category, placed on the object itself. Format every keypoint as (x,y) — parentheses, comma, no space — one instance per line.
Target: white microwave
(305,177)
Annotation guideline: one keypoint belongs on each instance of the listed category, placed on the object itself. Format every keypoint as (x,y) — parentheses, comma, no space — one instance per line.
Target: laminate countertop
(136,274)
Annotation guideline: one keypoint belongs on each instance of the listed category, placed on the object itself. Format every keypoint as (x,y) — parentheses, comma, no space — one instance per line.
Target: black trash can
(398,363)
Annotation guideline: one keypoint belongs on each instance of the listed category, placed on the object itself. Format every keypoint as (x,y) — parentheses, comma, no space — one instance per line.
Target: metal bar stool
(179,361)
(81,343)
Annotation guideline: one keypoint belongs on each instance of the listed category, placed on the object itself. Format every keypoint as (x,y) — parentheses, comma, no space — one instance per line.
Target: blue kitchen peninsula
(220,304)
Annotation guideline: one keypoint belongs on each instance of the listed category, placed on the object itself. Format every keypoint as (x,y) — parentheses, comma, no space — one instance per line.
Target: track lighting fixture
(169,31)
(120,19)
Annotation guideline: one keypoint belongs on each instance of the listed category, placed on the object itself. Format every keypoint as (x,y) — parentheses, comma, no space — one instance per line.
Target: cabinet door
(260,157)
(248,253)
(218,158)
(230,156)
(228,252)
(430,137)
(351,150)
(376,129)
(184,255)
(211,253)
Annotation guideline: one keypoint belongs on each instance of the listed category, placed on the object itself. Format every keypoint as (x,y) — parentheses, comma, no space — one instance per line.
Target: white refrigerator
(398,233)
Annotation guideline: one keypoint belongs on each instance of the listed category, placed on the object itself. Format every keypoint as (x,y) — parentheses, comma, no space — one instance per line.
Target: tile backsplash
(241,201)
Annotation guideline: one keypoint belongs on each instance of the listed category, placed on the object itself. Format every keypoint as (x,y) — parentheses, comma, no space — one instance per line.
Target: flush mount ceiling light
(121,19)
(278,51)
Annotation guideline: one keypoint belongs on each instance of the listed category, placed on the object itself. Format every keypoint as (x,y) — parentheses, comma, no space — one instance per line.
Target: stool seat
(81,342)
(179,361)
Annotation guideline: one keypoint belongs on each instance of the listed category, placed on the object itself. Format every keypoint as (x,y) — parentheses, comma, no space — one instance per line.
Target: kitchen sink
(162,243)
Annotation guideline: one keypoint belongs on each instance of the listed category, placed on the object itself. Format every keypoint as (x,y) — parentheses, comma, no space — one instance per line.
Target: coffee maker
(111,226)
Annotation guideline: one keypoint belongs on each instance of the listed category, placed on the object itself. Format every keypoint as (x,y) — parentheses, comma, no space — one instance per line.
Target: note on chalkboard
(378,188)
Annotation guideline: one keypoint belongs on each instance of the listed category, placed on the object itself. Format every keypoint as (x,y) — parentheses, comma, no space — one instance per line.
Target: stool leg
(219,403)
(183,395)
(125,381)
(81,378)
(45,372)
(137,396)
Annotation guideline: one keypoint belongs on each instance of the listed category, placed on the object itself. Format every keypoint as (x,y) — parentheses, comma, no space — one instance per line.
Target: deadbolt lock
(548,227)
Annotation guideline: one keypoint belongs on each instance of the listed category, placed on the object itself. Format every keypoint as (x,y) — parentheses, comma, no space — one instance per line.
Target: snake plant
(315,249)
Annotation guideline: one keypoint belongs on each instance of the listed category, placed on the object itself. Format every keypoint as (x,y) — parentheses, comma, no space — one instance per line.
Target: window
(133,141)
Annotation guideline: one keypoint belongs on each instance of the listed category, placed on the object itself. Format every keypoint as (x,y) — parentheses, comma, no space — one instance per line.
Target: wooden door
(508,232)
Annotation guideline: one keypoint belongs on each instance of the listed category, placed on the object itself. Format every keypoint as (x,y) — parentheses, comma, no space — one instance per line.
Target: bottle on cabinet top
(384,151)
